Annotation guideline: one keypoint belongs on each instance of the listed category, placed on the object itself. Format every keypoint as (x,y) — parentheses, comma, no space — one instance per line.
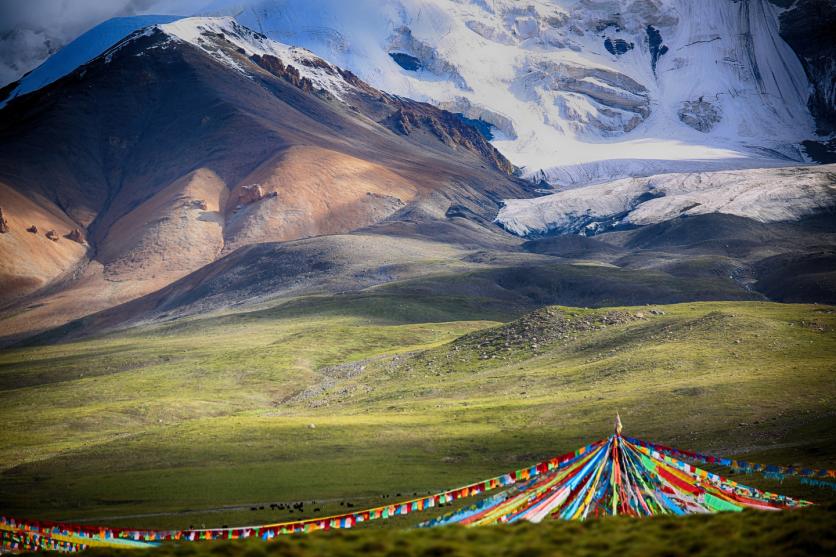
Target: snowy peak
(261,59)
(213,35)
(573,91)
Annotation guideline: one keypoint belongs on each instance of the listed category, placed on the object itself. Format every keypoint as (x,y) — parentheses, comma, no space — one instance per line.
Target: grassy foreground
(806,532)
(359,401)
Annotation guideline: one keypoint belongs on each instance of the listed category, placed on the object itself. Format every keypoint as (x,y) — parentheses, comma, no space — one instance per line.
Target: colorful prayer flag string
(739,465)
(618,475)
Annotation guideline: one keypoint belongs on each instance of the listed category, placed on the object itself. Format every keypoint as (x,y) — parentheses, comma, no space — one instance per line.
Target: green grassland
(762,534)
(349,401)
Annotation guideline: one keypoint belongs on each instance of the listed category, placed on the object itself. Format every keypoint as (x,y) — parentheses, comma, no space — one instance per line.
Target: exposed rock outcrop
(290,74)
(52,235)
(447,127)
(75,235)
(624,103)
(4,224)
(618,46)
(472,111)
(33,229)
(809,26)
(408,114)
(406,61)
(423,56)
(250,194)
(700,114)
(657,49)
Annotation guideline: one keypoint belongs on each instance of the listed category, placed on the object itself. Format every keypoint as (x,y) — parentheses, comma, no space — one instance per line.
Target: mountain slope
(214,412)
(180,148)
(188,140)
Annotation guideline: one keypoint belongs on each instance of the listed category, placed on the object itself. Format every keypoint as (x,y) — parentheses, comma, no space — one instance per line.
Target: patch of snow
(765,195)
(198,31)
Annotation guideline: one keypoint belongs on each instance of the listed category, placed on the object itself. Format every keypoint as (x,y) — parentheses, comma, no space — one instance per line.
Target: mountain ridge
(166,153)
(191,140)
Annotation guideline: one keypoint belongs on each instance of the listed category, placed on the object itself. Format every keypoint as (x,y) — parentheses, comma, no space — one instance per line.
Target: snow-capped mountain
(80,51)
(115,33)
(157,162)
(575,91)
(192,138)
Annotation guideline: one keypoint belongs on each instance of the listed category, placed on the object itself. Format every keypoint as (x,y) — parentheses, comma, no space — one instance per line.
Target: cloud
(31,30)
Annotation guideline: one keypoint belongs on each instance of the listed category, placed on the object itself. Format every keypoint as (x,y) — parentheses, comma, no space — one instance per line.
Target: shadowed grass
(806,532)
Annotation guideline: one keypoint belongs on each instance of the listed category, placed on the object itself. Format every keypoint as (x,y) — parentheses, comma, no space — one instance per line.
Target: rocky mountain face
(188,140)
(809,27)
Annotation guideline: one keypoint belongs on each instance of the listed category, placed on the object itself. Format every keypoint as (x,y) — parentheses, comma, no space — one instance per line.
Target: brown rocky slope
(154,152)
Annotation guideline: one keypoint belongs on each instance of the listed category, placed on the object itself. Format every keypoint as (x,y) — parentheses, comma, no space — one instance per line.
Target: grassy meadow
(750,533)
(352,401)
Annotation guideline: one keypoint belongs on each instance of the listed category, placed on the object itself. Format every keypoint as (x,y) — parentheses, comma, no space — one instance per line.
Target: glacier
(764,195)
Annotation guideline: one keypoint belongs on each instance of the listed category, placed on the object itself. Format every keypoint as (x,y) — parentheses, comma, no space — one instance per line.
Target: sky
(31,30)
